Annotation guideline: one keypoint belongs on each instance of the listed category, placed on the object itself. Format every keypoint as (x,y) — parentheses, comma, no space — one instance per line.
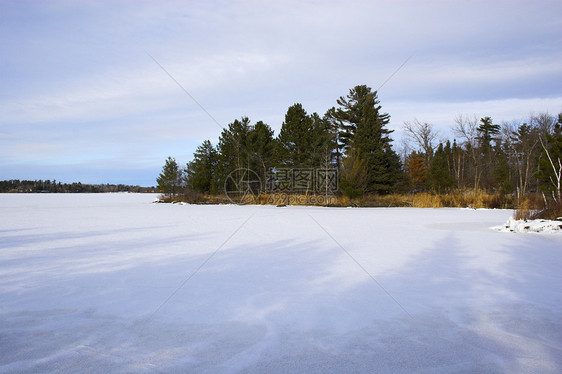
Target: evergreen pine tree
(440,177)
(334,124)
(294,141)
(364,130)
(233,150)
(487,132)
(488,153)
(304,141)
(201,172)
(261,150)
(502,172)
(352,111)
(169,180)
(354,174)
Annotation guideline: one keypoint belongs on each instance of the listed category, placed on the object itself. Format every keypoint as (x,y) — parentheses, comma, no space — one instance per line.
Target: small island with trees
(514,165)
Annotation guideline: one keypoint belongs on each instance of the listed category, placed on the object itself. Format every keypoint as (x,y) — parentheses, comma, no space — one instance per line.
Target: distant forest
(38,186)
(515,158)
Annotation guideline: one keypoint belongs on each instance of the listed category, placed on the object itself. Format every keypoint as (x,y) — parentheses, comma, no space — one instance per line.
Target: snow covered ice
(113,283)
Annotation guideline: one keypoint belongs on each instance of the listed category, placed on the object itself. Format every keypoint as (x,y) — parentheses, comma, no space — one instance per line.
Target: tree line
(38,186)
(514,157)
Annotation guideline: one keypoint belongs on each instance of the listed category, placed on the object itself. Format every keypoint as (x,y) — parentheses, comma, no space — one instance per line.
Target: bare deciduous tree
(423,136)
(521,142)
(556,181)
(466,128)
(543,121)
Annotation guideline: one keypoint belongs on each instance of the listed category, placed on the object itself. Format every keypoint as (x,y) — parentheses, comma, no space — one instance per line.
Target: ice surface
(113,283)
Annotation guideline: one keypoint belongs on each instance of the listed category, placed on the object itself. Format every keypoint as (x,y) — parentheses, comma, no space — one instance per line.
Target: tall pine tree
(440,177)
(233,150)
(304,140)
(363,128)
(201,172)
(261,150)
(169,180)
(489,153)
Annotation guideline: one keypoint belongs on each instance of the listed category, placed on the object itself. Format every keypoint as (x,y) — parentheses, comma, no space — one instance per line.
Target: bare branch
(557,171)
(466,128)
(423,135)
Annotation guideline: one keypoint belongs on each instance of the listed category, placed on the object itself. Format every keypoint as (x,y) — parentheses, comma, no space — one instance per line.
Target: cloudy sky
(81,99)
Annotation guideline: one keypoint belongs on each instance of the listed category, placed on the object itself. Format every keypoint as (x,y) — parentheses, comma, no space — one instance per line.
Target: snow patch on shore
(535,225)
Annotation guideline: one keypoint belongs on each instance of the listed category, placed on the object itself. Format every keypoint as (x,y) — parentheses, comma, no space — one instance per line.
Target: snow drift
(535,225)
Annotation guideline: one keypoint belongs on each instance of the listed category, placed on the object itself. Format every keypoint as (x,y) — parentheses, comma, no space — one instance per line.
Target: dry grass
(552,210)
(459,199)
(527,207)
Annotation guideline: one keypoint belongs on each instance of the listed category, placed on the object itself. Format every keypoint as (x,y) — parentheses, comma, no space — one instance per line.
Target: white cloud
(486,72)
(77,72)
(147,89)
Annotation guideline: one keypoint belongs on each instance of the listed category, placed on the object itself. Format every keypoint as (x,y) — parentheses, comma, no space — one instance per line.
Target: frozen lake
(113,283)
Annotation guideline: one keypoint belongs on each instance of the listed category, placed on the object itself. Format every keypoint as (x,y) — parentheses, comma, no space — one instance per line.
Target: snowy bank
(533,225)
